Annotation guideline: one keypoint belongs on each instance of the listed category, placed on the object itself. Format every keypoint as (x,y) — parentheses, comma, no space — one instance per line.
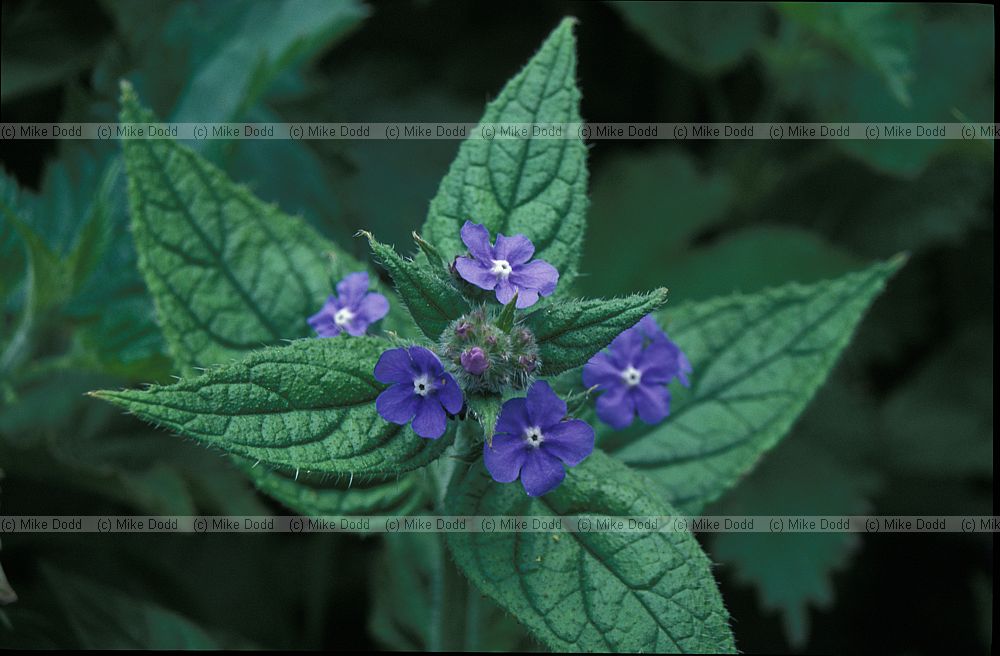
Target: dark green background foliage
(903,426)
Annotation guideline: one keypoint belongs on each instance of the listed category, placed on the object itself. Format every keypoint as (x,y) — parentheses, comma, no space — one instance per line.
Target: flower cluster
(486,351)
(632,375)
(487,357)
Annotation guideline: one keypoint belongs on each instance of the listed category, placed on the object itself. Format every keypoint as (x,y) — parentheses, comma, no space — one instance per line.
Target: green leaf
(313,495)
(486,408)
(702,37)
(430,297)
(535,187)
(228,273)
(309,405)
(792,571)
(569,333)
(619,592)
(757,359)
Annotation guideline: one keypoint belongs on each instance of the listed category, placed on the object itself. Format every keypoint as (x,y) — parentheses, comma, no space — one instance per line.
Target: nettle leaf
(569,333)
(313,495)
(229,273)
(758,359)
(531,186)
(612,591)
(430,297)
(309,405)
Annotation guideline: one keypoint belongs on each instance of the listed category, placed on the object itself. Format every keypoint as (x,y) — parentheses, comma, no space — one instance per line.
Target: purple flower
(475,360)
(421,390)
(533,441)
(633,375)
(352,310)
(505,267)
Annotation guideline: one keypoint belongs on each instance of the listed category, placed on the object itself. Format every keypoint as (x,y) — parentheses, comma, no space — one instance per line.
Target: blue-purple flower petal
(516,250)
(504,457)
(633,375)
(616,407)
(541,473)
(545,408)
(352,288)
(505,268)
(395,366)
(570,441)
(476,272)
(398,403)
(430,420)
(477,239)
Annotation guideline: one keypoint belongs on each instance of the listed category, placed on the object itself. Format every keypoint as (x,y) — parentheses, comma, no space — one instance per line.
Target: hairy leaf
(569,333)
(314,496)
(430,297)
(612,591)
(531,186)
(758,359)
(309,405)
(486,408)
(228,272)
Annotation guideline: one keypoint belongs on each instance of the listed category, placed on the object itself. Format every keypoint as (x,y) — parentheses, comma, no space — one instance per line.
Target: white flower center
(533,436)
(422,385)
(501,268)
(343,317)
(631,376)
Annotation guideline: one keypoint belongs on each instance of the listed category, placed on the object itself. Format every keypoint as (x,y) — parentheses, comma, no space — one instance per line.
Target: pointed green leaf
(569,333)
(228,272)
(535,187)
(618,592)
(486,408)
(313,495)
(430,297)
(309,405)
(758,359)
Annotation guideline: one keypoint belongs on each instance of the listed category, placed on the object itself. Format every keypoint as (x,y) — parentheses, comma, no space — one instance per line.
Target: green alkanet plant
(486,366)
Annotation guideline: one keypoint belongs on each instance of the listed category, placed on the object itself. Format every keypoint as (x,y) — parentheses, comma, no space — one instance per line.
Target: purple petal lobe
(616,408)
(541,473)
(526,298)
(449,394)
(504,458)
(626,349)
(538,275)
(545,408)
(356,327)
(373,307)
(394,366)
(513,419)
(570,441)
(599,370)
(659,363)
(516,250)
(505,291)
(477,239)
(324,324)
(430,420)
(352,288)
(652,402)
(425,362)
(476,272)
(397,404)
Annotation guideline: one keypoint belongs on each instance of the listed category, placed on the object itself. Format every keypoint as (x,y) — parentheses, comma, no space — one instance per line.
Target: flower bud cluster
(484,357)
